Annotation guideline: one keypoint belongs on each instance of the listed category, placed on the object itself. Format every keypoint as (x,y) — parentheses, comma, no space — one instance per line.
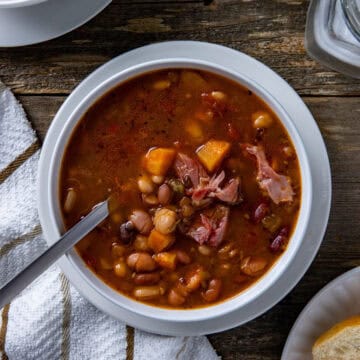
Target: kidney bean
(279,240)
(261,211)
(213,291)
(141,261)
(147,279)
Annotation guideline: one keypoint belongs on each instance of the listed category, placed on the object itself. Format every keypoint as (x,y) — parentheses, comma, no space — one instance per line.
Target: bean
(204,250)
(157,179)
(164,194)
(141,261)
(145,184)
(262,119)
(148,292)
(165,221)
(194,278)
(279,241)
(70,200)
(213,291)
(175,299)
(117,250)
(120,269)
(147,279)
(183,257)
(253,265)
(218,95)
(141,243)
(261,211)
(161,84)
(142,221)
(127,231)
(150,199)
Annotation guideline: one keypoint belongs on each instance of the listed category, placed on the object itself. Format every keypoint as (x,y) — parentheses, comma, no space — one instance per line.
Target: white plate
(337,301)
(307,130)
(44,21)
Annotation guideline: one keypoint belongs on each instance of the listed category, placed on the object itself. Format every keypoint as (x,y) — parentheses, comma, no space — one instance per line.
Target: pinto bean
(141,261)
(142,221)
(182,257)
(164,194)
(148,292)
(147,279)
(213,291)
(253,265)
(193,278)
(175,299)
(141,243)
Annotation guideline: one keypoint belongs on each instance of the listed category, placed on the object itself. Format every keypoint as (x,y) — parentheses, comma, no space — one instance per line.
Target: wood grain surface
(272,32)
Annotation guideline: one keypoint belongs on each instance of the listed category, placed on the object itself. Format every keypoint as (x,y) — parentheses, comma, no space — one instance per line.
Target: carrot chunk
(213,153)
(158,241)
(166,260)
(159,160)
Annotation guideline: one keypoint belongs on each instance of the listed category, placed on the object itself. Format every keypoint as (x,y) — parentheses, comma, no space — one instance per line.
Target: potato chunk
(159,242)
(159,160)
(213,153)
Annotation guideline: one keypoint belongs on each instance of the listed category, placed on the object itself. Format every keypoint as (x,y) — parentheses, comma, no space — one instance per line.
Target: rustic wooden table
(271,31)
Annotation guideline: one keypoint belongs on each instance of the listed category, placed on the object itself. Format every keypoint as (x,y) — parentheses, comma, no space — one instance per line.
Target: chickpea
(261,119)
(141,243)
(164,194)
(146,186)
(165,221)
(120,269)
(70,200)
(157,179)
(117,250)
(142,221)
(141,262)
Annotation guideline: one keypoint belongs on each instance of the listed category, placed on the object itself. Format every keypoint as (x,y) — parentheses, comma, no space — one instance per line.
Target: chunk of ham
(205,186)
(277,186)
(210,226)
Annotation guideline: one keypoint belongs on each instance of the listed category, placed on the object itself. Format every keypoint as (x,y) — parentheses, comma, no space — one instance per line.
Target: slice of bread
(341,342)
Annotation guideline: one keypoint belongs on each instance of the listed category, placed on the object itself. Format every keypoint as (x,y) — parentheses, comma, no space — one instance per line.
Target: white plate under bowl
(337,301)
(44,21)
(306,128)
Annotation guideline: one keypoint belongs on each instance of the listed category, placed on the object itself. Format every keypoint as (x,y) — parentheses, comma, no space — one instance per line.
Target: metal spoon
(53,253)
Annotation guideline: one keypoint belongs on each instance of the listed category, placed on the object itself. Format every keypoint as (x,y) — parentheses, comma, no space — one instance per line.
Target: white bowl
(7,4)
(52,206)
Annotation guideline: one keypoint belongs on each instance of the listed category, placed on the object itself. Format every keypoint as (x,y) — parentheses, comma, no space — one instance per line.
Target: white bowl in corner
(7,4)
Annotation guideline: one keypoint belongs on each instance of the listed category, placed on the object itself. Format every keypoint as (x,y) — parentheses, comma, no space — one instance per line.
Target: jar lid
(329,40)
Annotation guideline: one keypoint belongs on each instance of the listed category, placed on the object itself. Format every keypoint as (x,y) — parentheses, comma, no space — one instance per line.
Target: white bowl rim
(280,266)
(18,3)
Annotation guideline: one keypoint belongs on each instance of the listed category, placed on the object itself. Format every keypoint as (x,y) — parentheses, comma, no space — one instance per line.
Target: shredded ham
(277,186)
(205,186)
(210,227)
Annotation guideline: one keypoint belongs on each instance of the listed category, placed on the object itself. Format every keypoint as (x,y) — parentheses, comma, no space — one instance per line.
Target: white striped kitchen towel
(49,319)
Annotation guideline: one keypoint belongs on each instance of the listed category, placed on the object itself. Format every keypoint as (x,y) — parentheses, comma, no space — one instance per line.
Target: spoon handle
(53,253)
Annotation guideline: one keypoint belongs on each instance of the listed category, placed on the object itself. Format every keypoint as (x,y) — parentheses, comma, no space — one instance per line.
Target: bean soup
(204,186)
